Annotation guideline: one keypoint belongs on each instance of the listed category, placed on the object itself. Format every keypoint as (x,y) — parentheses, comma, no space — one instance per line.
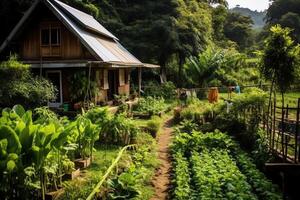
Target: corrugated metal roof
(105,49)
(84,19)
(103,46)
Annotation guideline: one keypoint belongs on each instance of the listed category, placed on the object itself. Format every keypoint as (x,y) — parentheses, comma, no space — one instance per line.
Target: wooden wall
(30,42)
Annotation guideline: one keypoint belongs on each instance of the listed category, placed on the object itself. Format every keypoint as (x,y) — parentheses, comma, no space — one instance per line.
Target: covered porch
(110,78)
(113,78)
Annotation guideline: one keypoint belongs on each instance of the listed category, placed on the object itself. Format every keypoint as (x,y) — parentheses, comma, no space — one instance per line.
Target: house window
(50,36)
(45,37)
(55,36)
(50,41)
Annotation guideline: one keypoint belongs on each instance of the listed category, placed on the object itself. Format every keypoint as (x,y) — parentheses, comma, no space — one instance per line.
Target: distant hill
(257,17)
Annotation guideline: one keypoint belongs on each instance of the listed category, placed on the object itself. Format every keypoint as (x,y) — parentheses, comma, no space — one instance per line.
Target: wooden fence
(283,131)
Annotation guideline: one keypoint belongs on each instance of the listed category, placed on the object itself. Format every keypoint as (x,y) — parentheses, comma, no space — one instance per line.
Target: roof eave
(64,21)
(81,23)
(116,64)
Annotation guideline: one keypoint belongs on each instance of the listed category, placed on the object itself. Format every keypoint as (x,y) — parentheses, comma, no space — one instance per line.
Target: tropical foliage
(214,67)
(19,86)
(37,152)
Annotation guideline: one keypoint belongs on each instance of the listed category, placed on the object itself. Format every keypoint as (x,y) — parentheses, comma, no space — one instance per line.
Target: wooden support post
(282,132)
(274,127)
(297,133)
(140,80)
(268,127)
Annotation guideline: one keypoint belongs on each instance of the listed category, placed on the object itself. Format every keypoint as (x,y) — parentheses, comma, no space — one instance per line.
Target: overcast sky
(252,4)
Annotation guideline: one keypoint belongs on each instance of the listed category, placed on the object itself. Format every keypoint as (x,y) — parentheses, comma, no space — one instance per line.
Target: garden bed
(212,166)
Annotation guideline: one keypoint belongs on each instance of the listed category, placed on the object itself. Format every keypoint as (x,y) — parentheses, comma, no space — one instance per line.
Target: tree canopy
(287,14)
(238,28)
(280,58)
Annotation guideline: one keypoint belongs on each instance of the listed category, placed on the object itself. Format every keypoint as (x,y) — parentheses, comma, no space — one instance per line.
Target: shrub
(243,118)
(166,90)
(153,126)
(197,111)
(19,86)
(118,130)
(97,115)
(150,105)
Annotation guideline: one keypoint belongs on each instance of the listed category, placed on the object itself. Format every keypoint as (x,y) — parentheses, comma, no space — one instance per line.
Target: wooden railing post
(297,133)
(140,80)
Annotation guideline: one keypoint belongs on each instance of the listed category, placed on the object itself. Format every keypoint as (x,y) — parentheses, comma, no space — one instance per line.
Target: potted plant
(70,172)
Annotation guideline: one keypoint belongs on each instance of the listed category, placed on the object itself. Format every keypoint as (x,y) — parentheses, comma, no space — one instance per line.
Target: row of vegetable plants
(182,178)
(149,106)
(217,177)
(213,166)
(240,117)
(37,149)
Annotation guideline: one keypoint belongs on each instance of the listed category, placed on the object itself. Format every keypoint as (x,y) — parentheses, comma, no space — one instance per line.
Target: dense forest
(173,33)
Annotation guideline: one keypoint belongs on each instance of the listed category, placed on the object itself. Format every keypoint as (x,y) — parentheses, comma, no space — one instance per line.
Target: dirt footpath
(161,181)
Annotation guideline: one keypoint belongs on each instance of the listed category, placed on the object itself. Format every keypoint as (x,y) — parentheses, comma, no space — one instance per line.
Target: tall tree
(238,28)
(280,59)
(194,29)
(219,14)
(287,14)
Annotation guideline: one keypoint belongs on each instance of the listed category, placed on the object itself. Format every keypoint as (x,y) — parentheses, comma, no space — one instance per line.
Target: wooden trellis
(283,130)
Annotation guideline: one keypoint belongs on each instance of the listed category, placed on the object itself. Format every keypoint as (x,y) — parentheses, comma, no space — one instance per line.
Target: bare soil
(162,180)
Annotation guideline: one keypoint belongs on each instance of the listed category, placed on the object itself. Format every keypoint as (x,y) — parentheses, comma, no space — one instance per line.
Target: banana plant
(88,133)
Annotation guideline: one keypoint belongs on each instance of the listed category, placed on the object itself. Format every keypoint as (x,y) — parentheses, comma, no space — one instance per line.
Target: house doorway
(56,79)
(113,83)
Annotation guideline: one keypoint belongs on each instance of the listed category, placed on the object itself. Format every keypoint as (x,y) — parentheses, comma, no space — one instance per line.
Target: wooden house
(58,40)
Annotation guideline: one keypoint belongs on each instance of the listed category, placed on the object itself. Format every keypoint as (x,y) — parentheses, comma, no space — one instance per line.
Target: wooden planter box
(55,194)
(80,163)
(72,176)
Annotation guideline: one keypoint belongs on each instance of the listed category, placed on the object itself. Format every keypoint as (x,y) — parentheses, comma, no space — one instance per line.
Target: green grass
(82,186)
(290,98)
(142,123)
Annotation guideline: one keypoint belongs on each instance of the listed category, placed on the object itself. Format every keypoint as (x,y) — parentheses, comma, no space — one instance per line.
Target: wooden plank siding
(70,47)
